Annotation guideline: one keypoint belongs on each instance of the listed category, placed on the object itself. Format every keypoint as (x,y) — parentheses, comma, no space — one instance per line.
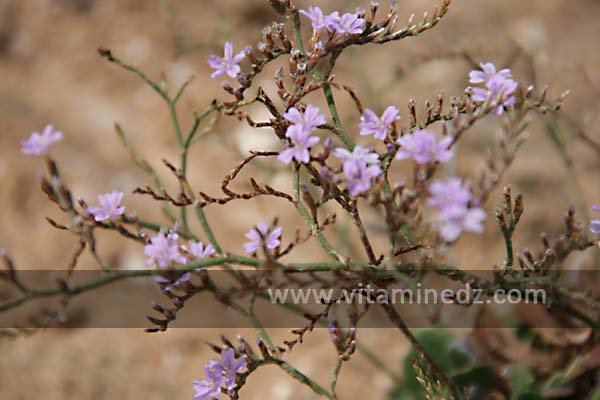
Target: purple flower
(316,17)
(371,124)
(227,367)
(347,23)
(302,125)
(451,198)
(208,389)
(262,234)
(168,285)
(109,206)
(198,250)
(449,194)
(308,121)
(595,223)
(496,83)
(488,71)
(301,144)
(454,221)
(228,64)
(163,249)
(39,144)
(422,146)
(360,167)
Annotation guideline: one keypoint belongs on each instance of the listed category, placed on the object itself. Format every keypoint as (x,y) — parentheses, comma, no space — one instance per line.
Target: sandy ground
(50,72)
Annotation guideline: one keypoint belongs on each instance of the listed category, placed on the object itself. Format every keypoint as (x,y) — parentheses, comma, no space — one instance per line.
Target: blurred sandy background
(50,72)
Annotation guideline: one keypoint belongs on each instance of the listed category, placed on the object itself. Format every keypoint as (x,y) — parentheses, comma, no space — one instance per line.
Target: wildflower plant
(424,216)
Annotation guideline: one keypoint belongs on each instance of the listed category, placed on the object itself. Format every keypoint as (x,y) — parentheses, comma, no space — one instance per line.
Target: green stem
(314,229)
(207,229)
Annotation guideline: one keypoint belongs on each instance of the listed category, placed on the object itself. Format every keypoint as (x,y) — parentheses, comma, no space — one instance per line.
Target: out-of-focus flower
(163,249)
(301,144)
(371,124)
(595,223)
(227,367)
(451,198)
(360,167)
(110,206)
(198,249)
(423,147)
(262,234)
(456,220)
(317,19)
(38,144)
(449,193)
(228,64)
(208,389)
(348,23)
(496,83)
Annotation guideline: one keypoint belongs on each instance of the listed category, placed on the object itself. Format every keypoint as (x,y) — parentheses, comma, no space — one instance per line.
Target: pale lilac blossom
(488,71)
(110,206)
(261,235)
(372,124)
(308,121)
(208,389)
(496,84)
(168,285)
(451,198)
(38,144)
(348,23)
(316,17)
(456,220)
(198,249)
(360,167)
(302,125)
(227,367)
(423,147)
(163,249)
(228,64)
(595,223)
(449,193)
(300,148)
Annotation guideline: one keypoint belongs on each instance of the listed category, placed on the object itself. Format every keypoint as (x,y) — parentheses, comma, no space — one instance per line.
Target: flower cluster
(110,206)
(348,23)
(219,372)
(595,223)
(261,235)
(302,126)
(360,167)
(164,249)
(38,144)
(497,84)
(451,198)
(423,147)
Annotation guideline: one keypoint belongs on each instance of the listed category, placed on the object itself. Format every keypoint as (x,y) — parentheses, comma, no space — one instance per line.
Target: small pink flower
(497,84)
(360,167)
(164,250)
(372,124)
(228,64)
(316,17)
(39,144)
(198,249)
(109,206)
(262,234)
(423,147)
